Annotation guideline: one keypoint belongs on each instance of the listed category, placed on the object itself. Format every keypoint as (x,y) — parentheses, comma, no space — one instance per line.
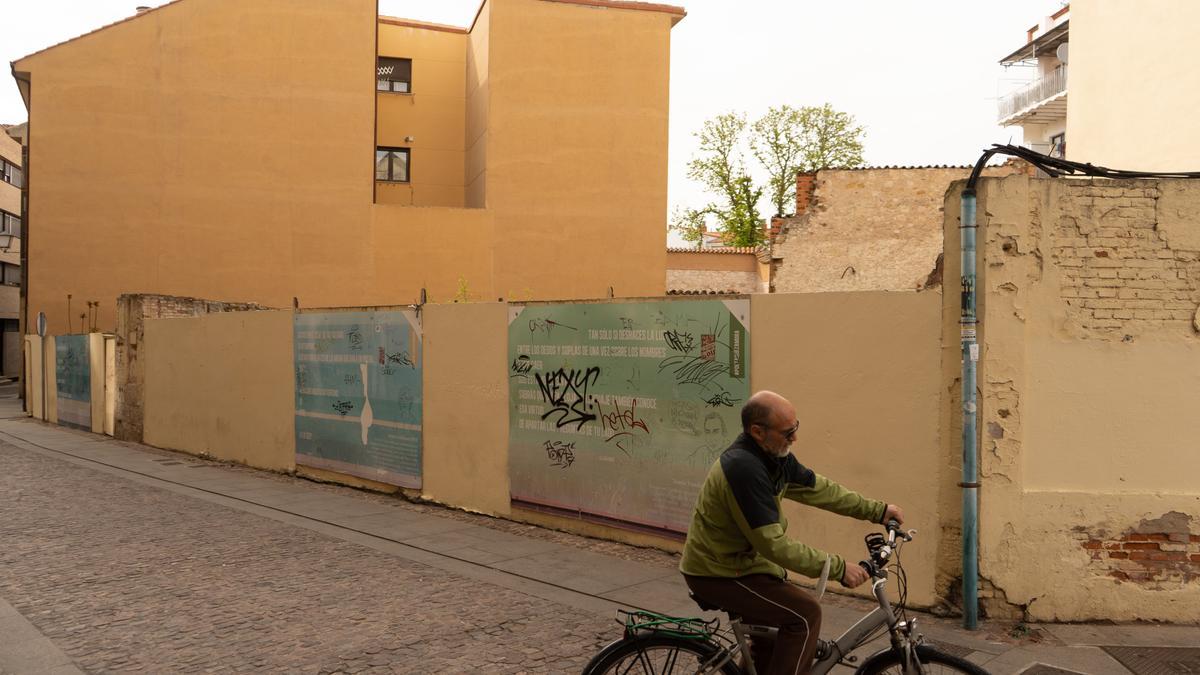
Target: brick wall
(132,310)
(1120,273)
(1160,554)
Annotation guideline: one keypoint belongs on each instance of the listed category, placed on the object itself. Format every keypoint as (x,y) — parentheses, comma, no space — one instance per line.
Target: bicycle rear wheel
(659,655)
(932,661)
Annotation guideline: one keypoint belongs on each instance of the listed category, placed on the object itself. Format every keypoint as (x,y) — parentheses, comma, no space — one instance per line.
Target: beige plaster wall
(1089,381)
(1133,89)
(231,153)
(465,408)
(478,97)
(863,371)
(222,385)
(866,230)
(577,149)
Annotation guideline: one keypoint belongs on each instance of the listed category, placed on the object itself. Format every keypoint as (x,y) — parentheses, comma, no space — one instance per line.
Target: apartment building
(11,181)
(311,151)
(1129,98)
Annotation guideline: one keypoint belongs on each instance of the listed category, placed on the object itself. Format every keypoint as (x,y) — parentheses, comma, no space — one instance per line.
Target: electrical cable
(1058,166)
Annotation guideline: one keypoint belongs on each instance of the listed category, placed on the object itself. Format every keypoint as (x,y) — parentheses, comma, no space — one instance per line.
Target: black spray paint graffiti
(566,392)
(354,336)
(547,326)
(679,341)
(521,367)
(343,407)
(560,454)
(722,398)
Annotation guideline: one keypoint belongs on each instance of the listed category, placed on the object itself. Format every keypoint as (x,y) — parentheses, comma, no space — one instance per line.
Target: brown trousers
(767,600)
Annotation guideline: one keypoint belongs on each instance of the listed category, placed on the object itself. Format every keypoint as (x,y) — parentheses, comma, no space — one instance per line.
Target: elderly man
(737,552)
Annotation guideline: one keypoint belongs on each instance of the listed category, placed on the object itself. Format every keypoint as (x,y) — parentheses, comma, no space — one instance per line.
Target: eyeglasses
(789,433)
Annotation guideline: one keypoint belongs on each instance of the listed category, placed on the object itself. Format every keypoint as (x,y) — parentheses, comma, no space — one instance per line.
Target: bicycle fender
(591,664)
(883,654)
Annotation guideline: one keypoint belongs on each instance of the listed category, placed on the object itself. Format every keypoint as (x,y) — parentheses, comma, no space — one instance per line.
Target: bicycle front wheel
(932,661)
(660,655)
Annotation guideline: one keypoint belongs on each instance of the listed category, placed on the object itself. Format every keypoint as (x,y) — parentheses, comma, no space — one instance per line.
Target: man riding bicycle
(737,552)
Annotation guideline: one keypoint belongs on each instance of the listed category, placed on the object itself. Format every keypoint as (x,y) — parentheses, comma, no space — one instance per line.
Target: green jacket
(738,527)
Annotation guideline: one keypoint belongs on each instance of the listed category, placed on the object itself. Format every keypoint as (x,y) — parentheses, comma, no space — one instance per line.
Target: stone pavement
(119,557)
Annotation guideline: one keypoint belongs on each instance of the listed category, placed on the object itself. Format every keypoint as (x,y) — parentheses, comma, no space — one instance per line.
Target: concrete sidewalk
(571,574)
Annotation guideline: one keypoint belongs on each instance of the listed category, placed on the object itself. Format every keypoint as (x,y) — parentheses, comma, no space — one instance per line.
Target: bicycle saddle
(708,606)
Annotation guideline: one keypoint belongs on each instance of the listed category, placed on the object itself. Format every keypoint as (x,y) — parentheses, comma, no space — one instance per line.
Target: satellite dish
(1061,53)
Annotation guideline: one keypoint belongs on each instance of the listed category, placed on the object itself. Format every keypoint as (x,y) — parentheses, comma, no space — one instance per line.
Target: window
(1058,145)
(10,224)
(391,164)
(11,274)
(10,173)
(394,75)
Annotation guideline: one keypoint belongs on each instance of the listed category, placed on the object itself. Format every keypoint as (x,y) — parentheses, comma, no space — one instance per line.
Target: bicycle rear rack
(641,622)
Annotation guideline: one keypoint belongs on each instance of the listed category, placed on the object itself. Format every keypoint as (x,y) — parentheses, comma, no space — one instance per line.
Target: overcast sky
(921,76)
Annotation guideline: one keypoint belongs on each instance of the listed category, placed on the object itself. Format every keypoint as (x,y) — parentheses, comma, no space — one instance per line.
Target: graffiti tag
(566,392)
(343,407)
(560,454)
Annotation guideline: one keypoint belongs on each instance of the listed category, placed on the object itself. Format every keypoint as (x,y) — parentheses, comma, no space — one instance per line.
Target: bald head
(770,420)
(762,407)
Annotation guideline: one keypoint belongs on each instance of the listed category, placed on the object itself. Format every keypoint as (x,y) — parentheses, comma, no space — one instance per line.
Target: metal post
(970,356)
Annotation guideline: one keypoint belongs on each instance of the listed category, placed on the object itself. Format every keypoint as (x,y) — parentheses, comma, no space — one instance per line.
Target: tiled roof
(723,249)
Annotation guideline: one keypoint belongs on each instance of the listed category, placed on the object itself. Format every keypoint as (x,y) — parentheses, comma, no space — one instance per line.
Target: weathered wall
(222,385)
(823,351)
(863,372)
(708,270)
(1089,383)
(132,311)
(865,230)
(433,114)
(1132,87)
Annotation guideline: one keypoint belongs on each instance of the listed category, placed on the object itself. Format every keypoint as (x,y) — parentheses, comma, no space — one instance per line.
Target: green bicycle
(657,644)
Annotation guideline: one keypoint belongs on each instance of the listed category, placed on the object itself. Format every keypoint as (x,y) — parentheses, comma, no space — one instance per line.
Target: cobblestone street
(127,577)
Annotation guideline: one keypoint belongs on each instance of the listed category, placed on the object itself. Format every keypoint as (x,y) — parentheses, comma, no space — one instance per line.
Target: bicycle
(660,644)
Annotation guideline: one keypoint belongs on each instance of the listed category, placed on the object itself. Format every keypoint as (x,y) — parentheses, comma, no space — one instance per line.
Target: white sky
(921,76)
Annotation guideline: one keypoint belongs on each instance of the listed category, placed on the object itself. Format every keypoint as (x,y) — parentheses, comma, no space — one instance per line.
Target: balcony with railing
(1043,100)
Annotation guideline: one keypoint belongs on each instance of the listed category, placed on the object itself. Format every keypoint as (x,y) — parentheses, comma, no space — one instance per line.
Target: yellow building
(265,150)
(11,180)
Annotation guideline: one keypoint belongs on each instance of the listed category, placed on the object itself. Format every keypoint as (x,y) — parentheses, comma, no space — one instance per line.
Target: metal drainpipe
(970,356)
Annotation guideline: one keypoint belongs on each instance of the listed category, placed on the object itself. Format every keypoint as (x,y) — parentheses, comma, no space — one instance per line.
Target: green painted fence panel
(617,410)
(358,394)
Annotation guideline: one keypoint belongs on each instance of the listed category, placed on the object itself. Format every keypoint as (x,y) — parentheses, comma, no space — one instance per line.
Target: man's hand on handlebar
(893,512)
(854,576)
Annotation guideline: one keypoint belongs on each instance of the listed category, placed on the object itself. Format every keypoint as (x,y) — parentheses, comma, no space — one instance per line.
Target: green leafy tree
(720,168)
(831,139)
(785,141)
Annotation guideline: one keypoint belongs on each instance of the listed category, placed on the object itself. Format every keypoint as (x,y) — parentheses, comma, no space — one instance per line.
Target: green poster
(73,379)
(358,394)
(619,409)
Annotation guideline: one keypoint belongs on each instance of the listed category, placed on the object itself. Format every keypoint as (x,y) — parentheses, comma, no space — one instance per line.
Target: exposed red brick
(1138,536)
(1119,575)
(1139,555)
(1194,558)
(1094,543)
(1118,555)
(1148,546)
(1195,538)
(1168,555)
